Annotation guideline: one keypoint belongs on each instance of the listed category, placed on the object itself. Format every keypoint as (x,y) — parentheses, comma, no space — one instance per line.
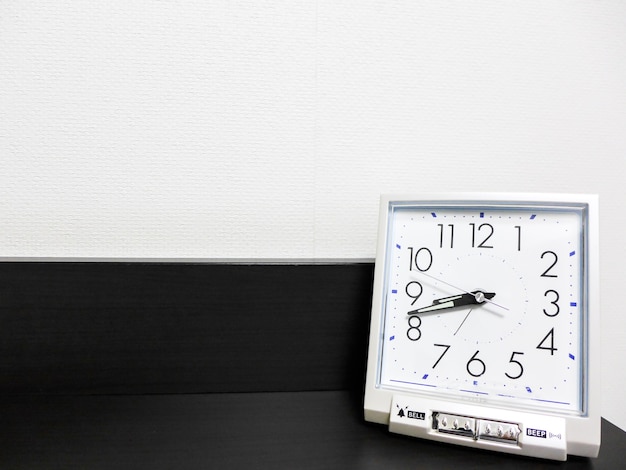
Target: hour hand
(461,300)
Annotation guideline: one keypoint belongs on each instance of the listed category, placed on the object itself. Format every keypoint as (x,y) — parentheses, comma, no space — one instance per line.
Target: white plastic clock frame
(581,433)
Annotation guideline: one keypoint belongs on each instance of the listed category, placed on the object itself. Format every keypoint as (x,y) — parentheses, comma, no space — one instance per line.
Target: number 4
(548,338)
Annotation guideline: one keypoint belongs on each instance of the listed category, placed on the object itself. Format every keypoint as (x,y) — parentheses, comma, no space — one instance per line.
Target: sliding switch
(454,424)
(498,431)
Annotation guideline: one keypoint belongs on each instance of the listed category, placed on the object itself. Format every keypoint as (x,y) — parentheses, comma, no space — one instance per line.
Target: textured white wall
(268,129)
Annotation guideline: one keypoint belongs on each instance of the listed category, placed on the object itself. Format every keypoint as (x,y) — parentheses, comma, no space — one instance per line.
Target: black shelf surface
(203,365)
(306,430)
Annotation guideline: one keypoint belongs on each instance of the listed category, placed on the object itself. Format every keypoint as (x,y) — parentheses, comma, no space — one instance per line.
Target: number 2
(547,271)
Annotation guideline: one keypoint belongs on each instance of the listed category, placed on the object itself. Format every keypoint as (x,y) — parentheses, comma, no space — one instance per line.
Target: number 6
(482,365)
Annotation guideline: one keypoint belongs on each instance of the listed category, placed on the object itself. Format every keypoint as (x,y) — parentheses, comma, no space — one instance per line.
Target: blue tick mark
(425,376)
(398,246)
(392,338)
(433,214)
(529,390)
(475,382)
(532,217)
(573,304)
(482,215)
(572,253)
(571,356)
(394,291)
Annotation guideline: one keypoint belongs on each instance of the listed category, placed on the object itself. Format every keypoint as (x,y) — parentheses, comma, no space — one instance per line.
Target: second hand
(468,314)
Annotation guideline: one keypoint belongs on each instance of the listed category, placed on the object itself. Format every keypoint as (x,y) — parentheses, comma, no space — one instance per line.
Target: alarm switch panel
(471,425)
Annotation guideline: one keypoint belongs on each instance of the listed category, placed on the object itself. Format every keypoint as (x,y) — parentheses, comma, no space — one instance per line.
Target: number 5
(519,364)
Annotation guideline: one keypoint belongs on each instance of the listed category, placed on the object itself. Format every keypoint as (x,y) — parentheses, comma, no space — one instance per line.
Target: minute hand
(446,303)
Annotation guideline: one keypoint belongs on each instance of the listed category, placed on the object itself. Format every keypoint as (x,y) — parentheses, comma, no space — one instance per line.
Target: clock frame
(469,255)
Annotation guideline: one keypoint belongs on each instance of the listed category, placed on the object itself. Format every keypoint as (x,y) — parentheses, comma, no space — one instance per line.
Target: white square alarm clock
(485,322)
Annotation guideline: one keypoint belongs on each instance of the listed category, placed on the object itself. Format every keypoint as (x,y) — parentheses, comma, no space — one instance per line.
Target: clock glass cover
(482,307)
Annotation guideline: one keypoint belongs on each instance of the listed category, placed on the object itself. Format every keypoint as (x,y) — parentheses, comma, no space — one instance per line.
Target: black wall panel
(101,328)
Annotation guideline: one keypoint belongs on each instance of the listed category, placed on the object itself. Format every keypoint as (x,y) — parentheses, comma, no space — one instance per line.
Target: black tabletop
(305,430)
(183,365)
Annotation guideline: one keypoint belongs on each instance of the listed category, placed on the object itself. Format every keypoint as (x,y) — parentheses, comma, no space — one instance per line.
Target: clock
(485,322)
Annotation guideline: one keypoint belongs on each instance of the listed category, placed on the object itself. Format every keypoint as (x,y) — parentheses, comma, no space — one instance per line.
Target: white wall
(268,129)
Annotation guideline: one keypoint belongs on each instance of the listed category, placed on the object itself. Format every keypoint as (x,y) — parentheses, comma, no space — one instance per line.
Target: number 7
(447,346)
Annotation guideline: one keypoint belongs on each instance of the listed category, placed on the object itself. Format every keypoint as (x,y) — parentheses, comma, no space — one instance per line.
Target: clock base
(514,432)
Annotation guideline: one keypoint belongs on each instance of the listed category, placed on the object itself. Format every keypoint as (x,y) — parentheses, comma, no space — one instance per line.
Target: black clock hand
(458,288)
(455,301)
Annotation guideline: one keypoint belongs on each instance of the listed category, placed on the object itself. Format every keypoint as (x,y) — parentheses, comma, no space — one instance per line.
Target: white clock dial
(484,303)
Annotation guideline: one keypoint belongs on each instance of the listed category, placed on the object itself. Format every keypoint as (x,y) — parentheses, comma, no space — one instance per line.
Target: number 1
(441,235)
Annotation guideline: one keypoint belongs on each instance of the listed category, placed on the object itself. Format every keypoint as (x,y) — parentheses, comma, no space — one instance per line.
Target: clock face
(486,302)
